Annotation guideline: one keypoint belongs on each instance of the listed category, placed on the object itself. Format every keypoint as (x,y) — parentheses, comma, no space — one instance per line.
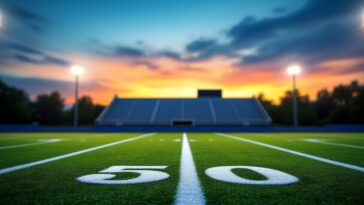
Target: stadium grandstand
(208,109)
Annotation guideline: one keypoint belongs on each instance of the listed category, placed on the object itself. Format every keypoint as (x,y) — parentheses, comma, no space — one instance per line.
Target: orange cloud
(173,78)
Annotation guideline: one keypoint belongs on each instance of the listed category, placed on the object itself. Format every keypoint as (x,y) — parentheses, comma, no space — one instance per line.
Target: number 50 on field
(221,173)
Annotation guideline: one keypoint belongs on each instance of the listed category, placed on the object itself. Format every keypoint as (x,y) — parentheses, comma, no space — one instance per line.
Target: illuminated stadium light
(294,70)
(77,70)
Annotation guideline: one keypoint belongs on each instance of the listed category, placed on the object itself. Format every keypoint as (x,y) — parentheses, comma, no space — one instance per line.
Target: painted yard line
(23,166)
(328,161)
(31,144)
(332,143)
(189,189)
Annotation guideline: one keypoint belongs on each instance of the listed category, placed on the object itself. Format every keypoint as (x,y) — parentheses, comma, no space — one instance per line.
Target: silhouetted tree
(306,111)
(272,110)
(50,109)
(344,97)
(358,106)
(345,104)
(14,105)
(88,112)
(324,105)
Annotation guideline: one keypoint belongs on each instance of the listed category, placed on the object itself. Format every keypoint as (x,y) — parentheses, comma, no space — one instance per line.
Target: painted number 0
(274,177)
(222,173)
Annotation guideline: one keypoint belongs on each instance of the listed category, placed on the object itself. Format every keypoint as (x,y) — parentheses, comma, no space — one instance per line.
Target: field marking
(332,143)
(146,174)
(23,166)
(41,141)
(328,161)
(273,176)
(189,189)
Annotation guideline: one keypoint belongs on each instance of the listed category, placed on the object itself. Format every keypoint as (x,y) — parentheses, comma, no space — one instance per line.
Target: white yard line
(23,166)
(189,188)
(332,143)
(31,144)
(328,161)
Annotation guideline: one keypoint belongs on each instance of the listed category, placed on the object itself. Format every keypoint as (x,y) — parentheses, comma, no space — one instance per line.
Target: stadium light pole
(294,70)
(76,71)
(1,20)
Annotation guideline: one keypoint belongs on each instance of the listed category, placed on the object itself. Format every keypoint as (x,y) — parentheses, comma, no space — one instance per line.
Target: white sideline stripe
(328,161)
(30,144)
(189,189)
(332,143)
(15,168)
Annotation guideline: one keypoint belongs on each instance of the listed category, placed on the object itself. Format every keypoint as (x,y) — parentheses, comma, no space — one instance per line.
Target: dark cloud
(200,45)
(133,52)
(24,49)
(251,31)
(320,30)
(170,54)
(356,68)
(147,64)
(54,60)
(21,37)
(207,48)
(23,16)
(27,54)
(128,51)
(329,42)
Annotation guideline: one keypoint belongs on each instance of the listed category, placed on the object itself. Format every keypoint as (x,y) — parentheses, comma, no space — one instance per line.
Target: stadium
(183,102)
(208,109)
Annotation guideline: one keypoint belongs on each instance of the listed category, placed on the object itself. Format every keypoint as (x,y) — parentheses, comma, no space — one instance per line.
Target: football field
(182,168)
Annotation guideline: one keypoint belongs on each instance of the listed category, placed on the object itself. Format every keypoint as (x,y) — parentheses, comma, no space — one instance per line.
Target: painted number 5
(146,175)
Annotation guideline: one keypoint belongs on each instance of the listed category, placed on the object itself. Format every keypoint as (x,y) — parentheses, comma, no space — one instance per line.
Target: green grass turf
(295,141)
(54,182)
(319,183)
(70,143)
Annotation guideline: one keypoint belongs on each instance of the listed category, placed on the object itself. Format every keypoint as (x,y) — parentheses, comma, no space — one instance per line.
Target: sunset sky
(170,48)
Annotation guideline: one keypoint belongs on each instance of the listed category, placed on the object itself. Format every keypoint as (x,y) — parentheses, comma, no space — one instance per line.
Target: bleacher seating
(204,111)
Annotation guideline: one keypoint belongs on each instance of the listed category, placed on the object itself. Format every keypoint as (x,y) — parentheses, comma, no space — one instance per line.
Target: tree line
(46,109)
(344,104)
